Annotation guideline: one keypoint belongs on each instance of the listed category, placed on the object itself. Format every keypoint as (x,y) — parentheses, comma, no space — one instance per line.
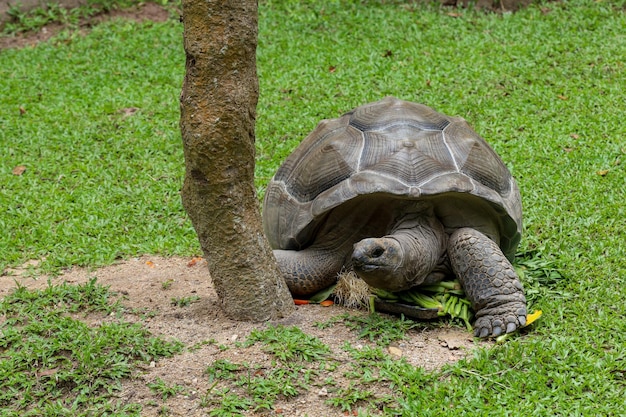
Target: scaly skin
(490,282)
(311,270)
(407,258)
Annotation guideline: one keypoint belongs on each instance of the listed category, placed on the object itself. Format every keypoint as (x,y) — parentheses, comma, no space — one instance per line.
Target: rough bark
(218,110)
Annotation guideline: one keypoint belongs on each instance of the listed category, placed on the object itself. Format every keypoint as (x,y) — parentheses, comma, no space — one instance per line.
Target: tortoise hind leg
(490,282)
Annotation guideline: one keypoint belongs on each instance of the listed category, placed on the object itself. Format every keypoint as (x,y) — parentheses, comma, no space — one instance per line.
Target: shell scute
(397,151)
(476,159)
(321,165)
(375,117)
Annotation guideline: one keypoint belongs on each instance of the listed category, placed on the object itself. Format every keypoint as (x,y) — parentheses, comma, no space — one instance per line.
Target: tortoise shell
(400,151)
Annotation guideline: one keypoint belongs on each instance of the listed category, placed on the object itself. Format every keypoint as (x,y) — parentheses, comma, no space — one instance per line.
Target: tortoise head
(379,262)
(406,257)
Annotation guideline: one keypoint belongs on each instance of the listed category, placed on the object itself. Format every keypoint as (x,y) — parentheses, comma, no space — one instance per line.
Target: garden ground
(150,286)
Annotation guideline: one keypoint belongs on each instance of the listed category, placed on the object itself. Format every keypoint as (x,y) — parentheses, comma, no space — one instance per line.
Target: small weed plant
(184,301)
(165,390)
(377,328)
(52,362)
(289,343)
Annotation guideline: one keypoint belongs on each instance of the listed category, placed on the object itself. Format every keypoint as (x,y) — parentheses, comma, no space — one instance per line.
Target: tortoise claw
(496,325)
(510,327)
(481,332)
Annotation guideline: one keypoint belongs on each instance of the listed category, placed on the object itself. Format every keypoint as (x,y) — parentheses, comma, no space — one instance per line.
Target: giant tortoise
(404,196)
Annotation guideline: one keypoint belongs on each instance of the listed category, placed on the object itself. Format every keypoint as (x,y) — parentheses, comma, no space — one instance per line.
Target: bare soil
(149,284)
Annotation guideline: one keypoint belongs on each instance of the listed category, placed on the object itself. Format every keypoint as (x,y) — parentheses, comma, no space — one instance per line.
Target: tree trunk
(218,110)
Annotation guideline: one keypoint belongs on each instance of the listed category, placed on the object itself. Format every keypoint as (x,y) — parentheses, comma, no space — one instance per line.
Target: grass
(94,119)
(239,387)
(99,139)
(374,327)
(51,12)
(300,363)
(52,363)
(184,301)
(165,390)
(289,343)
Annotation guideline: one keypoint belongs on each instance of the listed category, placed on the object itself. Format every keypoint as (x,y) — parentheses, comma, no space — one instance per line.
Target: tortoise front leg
(490,282)
(310,270)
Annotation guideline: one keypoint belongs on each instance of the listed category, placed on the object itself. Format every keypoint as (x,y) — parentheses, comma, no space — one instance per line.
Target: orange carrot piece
(300,302)
(327,303)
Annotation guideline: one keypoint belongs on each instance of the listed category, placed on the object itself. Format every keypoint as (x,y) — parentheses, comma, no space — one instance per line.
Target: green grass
(165,390)
(184,301)
(544,86)
(238,387)
(377,328)
(52,12)
(52,363)
(99,183)
(289,343)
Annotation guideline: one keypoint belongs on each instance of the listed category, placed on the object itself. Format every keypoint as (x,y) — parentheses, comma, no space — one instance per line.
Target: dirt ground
(141,282)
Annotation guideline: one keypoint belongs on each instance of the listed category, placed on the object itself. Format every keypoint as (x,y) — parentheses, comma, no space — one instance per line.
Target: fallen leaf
(574,135)
(454,14)
(562,97)
(568,149)
(332,69)
(322,295)
(47,372)
(194,261)
(19,170)
(150,264)
(533,317)
(22,111)
(602,172)
(129,111)
(530,318)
